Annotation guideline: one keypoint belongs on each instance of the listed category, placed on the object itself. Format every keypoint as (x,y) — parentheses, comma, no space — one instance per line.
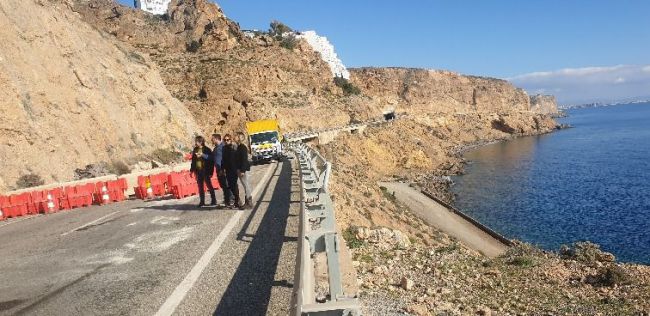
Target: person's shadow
(249,290)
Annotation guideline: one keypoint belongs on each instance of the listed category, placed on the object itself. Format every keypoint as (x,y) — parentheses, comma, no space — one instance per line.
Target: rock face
(545,104)
(223,76)
(431,91)
(71,96)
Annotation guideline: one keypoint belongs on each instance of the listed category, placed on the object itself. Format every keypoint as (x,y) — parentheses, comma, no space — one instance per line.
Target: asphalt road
(162,257)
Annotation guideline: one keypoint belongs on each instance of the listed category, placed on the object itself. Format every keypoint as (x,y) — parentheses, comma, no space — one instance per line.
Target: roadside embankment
(444,219)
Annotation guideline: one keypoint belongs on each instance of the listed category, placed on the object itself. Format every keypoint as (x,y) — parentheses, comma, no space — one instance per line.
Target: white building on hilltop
(327,53)
(157,7)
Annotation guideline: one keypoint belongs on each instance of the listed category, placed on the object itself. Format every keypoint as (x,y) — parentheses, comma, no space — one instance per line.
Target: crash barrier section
(179,184)
(151,186)
(65,198)
(318,235)
(183,184)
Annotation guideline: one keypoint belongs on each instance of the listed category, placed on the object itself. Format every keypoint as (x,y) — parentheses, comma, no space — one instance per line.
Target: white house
(157,7)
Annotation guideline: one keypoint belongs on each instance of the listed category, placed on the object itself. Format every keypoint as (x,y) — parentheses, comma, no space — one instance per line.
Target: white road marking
(9,222)
(89,224)
(186,285)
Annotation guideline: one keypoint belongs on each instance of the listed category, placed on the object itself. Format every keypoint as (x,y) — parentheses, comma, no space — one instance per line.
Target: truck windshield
(266,137)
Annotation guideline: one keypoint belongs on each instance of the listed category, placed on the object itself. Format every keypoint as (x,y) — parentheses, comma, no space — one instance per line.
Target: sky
(547,46)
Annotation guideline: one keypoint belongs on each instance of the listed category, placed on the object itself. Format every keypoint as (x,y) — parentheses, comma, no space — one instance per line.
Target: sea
(590,182)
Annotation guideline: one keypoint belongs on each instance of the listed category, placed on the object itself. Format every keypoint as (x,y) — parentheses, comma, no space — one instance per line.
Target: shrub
(350,236)
(346,85)
(29,180)
(289,42)
(586,252)
(119,168)
(193,46)
(610,276)
(523,261)
(166,156)
(388,195)
(278,28)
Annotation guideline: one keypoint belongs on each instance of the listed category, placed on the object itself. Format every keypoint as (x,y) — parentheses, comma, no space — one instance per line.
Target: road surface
(160,257)
(442,218)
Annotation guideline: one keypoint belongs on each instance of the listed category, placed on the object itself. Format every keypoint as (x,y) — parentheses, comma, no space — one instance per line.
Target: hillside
(72,96)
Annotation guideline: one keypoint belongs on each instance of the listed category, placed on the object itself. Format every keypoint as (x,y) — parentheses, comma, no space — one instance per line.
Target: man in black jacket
(217,153)
(230,164)
(202,168)
(243,169)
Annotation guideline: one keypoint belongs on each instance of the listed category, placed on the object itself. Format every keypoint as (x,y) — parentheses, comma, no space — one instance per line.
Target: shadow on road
(249,291)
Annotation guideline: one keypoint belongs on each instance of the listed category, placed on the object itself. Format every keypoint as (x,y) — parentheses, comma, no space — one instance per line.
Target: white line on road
(89,224)
(18,220)
(186,285)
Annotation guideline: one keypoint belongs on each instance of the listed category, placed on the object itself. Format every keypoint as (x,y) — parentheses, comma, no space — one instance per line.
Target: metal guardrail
(318,235)
(298,136)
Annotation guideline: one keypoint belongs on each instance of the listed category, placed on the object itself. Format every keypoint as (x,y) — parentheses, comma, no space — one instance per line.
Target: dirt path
(440,217)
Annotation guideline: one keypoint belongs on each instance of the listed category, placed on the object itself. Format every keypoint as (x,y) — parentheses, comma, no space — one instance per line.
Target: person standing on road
(244,168)
(202,168)
(229,164)
(217,152)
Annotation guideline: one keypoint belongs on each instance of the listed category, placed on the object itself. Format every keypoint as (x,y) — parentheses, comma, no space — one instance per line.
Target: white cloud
(589,84)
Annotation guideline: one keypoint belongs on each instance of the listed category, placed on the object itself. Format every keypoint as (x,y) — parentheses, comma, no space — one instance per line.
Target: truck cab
(265,140)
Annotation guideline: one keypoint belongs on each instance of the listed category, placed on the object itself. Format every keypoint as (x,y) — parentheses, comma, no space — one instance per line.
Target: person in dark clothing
(229,164)
(202,168)
(217,153)
(244,168)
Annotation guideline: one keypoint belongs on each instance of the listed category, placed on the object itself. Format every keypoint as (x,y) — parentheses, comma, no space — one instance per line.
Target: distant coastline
(602,104)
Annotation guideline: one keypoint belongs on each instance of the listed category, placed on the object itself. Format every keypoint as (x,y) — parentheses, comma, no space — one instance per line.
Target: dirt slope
(70,96)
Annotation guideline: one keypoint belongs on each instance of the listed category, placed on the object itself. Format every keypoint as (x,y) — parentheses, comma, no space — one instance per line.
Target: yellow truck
(265,140)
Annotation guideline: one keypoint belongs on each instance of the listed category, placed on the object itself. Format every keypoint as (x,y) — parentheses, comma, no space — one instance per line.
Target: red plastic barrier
(152,185)
(78,196)
(110,191)
(18,204)
(183,184)
(4,207)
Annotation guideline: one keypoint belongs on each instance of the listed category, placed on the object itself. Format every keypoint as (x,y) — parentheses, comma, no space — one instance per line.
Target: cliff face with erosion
(223,76)
(431,91)
(546,104)
(70,96)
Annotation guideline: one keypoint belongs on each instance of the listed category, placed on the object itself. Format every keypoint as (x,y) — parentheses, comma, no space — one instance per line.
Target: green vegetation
(347,86)
(193,46)
(388,195)
(610,276)
(166,156)
(289,42)
(119,168)
(451,248)
(350,236)
(523,261)
(586,252)
(278,29)
(29,180)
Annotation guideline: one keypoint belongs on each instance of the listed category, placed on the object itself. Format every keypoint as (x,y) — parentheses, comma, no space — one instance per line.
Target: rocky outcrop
(223,76)
(545,104)
(431,91)
(71,96)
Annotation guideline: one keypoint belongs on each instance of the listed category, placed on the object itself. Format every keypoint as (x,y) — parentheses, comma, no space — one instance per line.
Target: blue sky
(505,39)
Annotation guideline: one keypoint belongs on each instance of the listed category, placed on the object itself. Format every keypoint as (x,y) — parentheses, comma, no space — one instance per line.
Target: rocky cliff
(71,96)
(223,76)
(428,91)
(546,104)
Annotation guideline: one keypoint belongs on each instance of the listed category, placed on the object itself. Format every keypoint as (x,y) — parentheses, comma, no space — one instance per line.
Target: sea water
(590,182)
